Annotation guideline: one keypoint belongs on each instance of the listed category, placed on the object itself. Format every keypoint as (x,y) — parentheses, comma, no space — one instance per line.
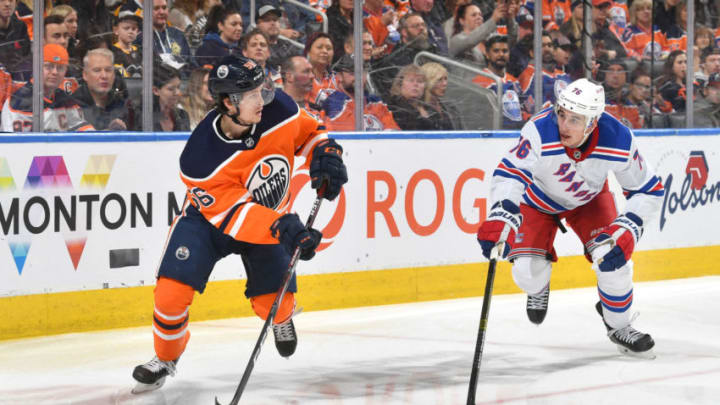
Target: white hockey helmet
(585,98)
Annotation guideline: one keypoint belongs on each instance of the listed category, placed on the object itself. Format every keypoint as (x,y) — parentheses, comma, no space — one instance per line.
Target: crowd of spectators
(92,66)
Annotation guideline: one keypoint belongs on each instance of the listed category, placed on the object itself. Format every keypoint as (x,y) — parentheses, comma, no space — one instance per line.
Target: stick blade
(217,402)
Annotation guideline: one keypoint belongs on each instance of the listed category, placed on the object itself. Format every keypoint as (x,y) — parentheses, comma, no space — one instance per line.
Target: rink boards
(84,219)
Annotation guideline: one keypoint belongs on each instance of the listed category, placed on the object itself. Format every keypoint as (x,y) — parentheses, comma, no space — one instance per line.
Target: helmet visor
(265,93)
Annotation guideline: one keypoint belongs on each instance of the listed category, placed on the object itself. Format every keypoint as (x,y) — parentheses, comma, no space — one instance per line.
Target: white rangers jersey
(540,172)
(62,113)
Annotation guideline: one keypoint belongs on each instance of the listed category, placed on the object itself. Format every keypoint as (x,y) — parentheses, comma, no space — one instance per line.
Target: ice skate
(537,305)
(285,338)
(151,375)
(629,341)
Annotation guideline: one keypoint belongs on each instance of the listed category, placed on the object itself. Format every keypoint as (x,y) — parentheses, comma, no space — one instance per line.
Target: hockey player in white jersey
(558,170)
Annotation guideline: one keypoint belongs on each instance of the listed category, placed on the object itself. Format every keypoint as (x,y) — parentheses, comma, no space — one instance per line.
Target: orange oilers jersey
(638,42)
(676,39)
(340,110)
(322,89)
(373,24)
(241,186)
(61,113)
(555,11)
(629,115)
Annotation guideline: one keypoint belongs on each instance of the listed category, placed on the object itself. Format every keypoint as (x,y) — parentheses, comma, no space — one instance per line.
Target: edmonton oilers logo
(269,181)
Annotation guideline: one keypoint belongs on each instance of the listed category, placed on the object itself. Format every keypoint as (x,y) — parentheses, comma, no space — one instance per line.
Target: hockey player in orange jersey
(237,166)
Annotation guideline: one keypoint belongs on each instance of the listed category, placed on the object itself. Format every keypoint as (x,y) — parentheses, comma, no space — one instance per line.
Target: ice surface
(401,354)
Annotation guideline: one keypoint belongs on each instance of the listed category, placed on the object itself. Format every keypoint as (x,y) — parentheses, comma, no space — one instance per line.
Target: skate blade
(646,355)
(140,387)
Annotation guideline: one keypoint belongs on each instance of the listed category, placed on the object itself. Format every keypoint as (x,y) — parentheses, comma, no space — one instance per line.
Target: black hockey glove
(291,233)
(327,167)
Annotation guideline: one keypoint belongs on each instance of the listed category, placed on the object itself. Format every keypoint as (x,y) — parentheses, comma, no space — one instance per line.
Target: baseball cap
(55,53)
(346,63)
(561,41)
(262,11)
(136,15)
(601,3)
(524,15)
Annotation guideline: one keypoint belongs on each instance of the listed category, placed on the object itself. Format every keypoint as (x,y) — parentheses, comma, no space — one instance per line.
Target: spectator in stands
(470,32)
(168,42)
(14,42)
(449,24)
(295,21)
(378,20)
(103,106)
(93,18)
(197,13)
(637,36)
(70,18)
(56,32)
(444,113)
(340,24)
(167,116)
(573,27)
(704,38)
(319,51)
(520,52)
(224,30)
(339,107)
(498,56)
(267,20)
(553,80)
(297,74)
(127,55)
(197,100)
(707,107)
(255,46)
(638,96)
(619,15)
(369,50)
(672,82)
(184,13)
(613,75)
(677,33)
(563,49)
(709,64)
(406,100)
(414,39)
(665,14)
(606,37)
(433,23)
(61,111)
(572,30)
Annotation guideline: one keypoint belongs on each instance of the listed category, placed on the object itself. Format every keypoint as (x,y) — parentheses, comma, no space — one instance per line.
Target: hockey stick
(273,310)
(495,253)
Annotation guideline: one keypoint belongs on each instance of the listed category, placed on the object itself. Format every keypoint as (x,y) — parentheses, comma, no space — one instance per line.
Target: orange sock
(261,304)
(170,318)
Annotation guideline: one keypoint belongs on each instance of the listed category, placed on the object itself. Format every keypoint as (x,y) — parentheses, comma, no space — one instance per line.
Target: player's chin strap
(234,117)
